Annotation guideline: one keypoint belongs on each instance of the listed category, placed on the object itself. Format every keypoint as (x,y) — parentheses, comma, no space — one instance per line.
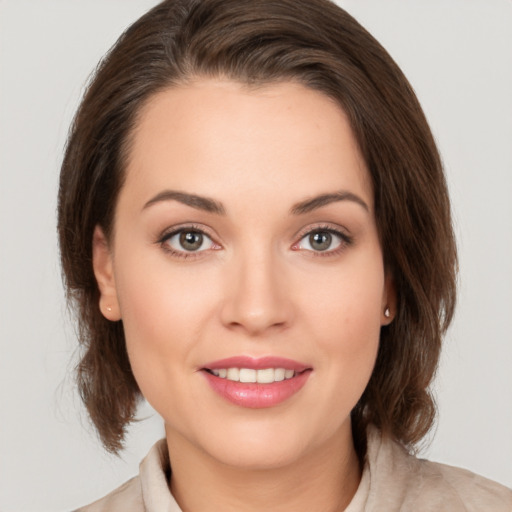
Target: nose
(257,295)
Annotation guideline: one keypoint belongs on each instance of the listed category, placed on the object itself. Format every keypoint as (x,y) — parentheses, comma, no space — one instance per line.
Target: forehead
(214,137)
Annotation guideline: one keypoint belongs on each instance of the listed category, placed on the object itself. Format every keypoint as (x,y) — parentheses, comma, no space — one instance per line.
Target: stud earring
(109,309)
(387,313)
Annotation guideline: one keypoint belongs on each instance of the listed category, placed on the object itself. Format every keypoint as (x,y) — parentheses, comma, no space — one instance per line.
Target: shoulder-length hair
(319,45)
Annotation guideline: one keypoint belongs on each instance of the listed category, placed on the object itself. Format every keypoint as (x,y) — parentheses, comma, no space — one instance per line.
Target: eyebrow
(324,199)
(199,202)
(212,206)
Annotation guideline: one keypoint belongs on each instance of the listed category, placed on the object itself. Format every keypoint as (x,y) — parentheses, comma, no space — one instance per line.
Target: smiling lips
(256,383)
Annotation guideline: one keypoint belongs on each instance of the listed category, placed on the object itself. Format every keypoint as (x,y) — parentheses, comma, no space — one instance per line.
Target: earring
(387,313)
(109,309)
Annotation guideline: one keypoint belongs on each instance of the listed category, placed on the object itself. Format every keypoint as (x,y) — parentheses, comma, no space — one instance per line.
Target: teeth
(232,374)
(247,375)
(279,374)
(264,376)
(288,374)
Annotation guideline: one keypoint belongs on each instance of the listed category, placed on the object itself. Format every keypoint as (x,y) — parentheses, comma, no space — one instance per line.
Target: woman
(255,229)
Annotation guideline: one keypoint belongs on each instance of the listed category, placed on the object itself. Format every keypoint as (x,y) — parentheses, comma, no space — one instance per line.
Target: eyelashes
(191,241)
(323,241)
(187,241)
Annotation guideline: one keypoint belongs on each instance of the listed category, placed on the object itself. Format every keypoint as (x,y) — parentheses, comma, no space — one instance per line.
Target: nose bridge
(257,298)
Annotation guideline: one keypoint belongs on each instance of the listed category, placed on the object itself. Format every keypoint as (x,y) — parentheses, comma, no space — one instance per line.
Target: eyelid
(322,226)
(336,230)
(175,230)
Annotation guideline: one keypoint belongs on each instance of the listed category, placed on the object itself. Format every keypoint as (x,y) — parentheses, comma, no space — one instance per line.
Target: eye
(188,240)
(323,240)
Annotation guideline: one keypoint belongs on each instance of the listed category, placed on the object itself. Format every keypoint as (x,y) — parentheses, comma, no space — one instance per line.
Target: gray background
(458,56)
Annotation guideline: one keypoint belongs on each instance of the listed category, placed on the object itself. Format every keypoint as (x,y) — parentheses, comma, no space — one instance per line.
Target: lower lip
(257,396)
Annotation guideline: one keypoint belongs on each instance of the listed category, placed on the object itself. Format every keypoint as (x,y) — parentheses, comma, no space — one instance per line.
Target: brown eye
(188,241)
(191,240)
(323,241)
(320,241)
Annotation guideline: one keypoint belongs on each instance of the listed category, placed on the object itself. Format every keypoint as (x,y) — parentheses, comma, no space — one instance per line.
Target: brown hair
(319,45)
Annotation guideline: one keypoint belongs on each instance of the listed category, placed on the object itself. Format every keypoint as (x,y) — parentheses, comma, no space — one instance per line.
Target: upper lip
(257,363)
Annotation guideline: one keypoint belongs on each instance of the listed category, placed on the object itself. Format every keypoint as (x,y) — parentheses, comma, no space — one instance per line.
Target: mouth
(256,383)
(263,376)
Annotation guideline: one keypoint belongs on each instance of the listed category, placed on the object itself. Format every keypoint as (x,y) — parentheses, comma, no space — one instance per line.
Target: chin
(259,454)
(263,443)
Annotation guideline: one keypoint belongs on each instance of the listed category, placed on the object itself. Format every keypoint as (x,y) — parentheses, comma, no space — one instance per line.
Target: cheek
(158,299)
(352,342)
(347,303)
(162,314)
(347,319)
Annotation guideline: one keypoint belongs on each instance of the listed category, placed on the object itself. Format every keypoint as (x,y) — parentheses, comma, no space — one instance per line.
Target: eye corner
(296,246)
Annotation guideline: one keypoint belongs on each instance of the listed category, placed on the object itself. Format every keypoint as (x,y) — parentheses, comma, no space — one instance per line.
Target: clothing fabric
(392,481)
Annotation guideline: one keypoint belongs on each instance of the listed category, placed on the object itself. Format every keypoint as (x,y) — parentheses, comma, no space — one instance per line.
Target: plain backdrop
(457,55)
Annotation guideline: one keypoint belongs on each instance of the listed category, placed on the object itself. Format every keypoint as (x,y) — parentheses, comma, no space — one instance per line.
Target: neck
(324,481)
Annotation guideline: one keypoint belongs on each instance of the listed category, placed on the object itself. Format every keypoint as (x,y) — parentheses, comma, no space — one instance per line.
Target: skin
(257,287)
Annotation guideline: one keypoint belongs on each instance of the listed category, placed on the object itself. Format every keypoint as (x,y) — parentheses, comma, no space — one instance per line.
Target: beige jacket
(392,481)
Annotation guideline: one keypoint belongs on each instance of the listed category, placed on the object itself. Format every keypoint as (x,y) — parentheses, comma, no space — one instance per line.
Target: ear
(104,272)
(388,306)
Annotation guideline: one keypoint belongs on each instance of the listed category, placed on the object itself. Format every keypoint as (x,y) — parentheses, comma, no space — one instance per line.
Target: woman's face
(245,238)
